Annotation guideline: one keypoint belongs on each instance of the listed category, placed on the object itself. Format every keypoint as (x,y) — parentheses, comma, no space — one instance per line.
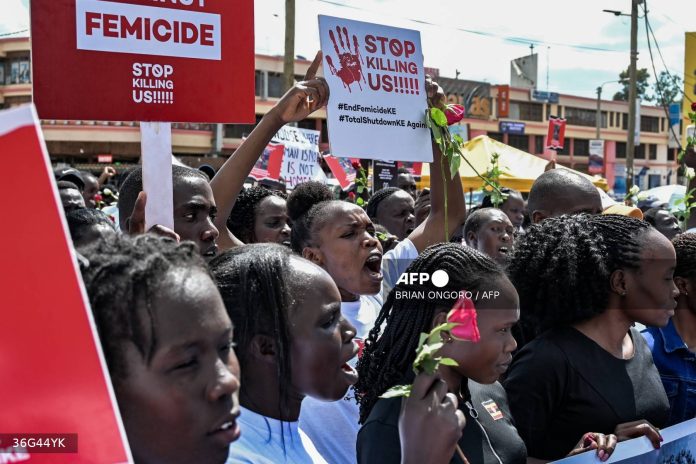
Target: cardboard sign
(269,164)
(301,155)
(378,100)
(556,134)
(140,60)
(54,378)
(156,146)
(342,169)
(385,173)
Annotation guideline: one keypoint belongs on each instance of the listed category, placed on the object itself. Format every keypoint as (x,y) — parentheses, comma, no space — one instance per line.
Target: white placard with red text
(377,105)
(144,60)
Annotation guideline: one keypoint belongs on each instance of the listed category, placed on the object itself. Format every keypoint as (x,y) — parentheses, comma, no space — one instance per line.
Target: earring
(623,293)
(446,338)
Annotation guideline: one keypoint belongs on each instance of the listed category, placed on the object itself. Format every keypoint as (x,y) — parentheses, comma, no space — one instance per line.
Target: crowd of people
(266,326)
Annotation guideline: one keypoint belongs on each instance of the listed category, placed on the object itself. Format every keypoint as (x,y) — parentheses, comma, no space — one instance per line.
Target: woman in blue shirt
(674,346)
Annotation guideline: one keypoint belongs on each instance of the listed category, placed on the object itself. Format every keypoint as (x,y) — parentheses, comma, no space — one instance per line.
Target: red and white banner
(556,135)
(54,378)
(342,169)
(417,167)
(139,60)
(269,164)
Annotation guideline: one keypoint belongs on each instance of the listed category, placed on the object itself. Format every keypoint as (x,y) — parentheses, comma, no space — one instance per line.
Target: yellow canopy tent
(519,168)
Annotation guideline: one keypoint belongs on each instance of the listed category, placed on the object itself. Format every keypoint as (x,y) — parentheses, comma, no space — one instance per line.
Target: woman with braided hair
(167,341)
(340,237)
(260,216)
(674,347)
(583,282)
(412,309)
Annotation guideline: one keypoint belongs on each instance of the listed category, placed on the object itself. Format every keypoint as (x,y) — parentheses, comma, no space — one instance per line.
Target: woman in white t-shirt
(340,237)
(291,341)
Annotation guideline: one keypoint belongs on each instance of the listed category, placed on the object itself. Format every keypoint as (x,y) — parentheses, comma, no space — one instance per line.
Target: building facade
(85,143)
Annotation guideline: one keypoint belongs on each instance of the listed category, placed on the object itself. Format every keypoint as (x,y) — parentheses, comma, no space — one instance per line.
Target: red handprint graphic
(350,60)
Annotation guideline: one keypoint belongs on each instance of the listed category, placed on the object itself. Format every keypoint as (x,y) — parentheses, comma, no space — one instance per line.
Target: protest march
(368,267)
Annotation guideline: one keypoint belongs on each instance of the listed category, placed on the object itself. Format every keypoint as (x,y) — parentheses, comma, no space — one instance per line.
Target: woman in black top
(583,281)
(489,435)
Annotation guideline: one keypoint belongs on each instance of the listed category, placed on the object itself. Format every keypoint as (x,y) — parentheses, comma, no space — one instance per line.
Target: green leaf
(439,117)
(423,337)
(428,121)
(449,362)
(455,162)
(429,366)
(457,138)
(360,201)
(360,189)
(397,391)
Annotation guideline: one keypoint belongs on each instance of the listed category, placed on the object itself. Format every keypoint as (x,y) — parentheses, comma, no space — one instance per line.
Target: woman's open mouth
(373,266)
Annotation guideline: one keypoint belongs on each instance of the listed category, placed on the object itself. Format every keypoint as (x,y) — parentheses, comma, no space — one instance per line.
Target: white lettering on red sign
(126,28)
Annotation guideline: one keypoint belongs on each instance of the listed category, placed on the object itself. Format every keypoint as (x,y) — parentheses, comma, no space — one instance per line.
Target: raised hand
(303,98)
(349,59)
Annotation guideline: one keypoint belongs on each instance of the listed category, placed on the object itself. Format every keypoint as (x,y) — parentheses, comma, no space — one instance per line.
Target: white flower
(634,190)
(690,174)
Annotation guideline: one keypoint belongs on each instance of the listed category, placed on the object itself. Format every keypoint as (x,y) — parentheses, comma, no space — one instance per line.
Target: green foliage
(427,359)
(642,77)
(667,88)
(492,187)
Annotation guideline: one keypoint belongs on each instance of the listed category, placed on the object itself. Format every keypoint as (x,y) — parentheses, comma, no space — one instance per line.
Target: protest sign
(136,60)
(678,447)
(384,174)
(156,143)
(301,155)
(342,169)
(378,100)
(269,164)
(556,133)
(414,168)
(54,378)
(596,164)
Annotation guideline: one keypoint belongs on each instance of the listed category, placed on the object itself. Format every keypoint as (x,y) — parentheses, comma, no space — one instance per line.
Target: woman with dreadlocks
(674,347)
(340,237)
(583,282)
(167,341)
(260,216)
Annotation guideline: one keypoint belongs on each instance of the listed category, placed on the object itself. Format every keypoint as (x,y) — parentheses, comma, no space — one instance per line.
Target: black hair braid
(252,282)
(685,246)
(561,268)
(388,355)
(122,276)
(377,198)
(243,215)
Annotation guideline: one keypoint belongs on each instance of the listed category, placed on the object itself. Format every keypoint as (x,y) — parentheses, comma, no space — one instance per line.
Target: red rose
(356,165)
(463,313)
(693,106)
(454,113)
(351,196)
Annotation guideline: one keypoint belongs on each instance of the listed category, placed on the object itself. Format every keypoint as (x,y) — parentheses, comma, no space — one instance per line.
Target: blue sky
(557,27)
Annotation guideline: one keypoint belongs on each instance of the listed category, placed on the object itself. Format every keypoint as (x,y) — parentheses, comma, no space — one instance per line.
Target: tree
(642,77)
(669,86)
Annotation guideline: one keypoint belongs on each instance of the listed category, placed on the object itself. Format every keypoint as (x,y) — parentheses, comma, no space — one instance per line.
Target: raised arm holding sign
(299,102)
